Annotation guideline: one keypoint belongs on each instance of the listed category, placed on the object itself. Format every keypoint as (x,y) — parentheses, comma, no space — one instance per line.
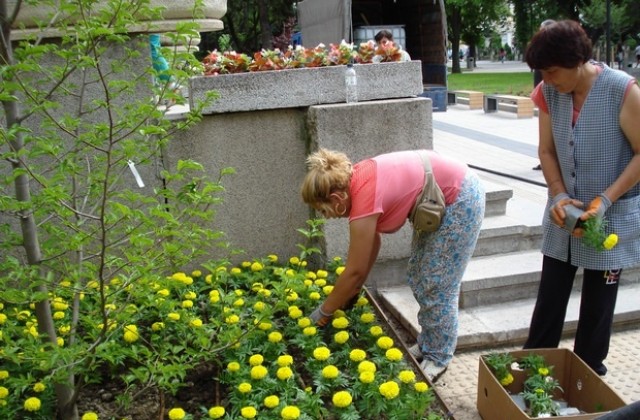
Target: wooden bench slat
(522,106)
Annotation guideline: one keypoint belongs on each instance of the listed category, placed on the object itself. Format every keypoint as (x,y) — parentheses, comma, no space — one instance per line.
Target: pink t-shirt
(389,185)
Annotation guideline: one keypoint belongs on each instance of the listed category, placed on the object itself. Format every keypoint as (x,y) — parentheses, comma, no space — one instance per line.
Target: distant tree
(251,25)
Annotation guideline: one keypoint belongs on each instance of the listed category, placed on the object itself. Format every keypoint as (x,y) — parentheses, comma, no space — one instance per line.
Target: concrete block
(305,87)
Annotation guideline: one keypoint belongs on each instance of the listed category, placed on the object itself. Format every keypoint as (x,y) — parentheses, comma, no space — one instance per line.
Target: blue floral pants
(437,263)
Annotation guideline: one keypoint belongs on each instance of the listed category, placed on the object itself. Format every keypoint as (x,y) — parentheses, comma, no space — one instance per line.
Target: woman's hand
(557,207)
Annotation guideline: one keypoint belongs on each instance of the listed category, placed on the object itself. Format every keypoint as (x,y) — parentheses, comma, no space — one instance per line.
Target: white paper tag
(135,173)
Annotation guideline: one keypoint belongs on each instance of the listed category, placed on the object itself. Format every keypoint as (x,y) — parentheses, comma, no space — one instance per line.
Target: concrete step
(497,196)
(506,322)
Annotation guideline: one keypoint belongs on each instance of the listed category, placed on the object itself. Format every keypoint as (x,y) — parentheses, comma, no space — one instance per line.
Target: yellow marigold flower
(244,387)
(163,292)
(367,377)
(340,269)
(394,354)
(406,376)
(110,307)
(275,337)
(256,359)
(376,330)
(93,284)
(89,415)
(292,296)
(216,412)
(314,296)
(320,282)
(246,264)
(23,315)
(39,387)
(259,372)
(366,366)
(321,353)
(3,319)
(232,319)
(248,412)
(507,380)
(238,303)
(284,373)
(233,366)
(367,317)
(310,275)
(187,304)
(611,241)
(196,273)
(195,323)
(294,261)
(273,258)
(214,296)
(304,322)
(32,330)
(290,412)
(357,355)
(115,281)
(257,286)
(271,401)
(208,279)
(235,271)
(362,301)
(341,337)
(176,413)
(259,306)
(130,333)
(543,371)
(4,392)
(285,360)
(294,312)
(58,315)
(63,283)
(174,316)
(32,404)
(64,329)
(256,266)
(327,290)
(265,326)
(179,276)
(385,342)
(59,305)
(290,273)
(307,283)
(60,341)
(190,295)
(157,326)
(389,390)
(421,386)
(330,372)
(340,323)
(309,331)
(264,292)
(342,399)
(322,274)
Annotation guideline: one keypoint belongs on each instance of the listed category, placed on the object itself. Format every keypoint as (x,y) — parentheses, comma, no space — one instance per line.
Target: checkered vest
(592,155)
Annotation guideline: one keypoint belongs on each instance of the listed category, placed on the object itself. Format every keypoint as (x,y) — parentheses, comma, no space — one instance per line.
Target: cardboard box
(582,387)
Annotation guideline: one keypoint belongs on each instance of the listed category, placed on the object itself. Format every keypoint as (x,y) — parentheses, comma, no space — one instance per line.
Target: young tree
(80,124)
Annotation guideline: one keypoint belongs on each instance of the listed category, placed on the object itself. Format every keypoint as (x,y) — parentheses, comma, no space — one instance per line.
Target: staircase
(499,287)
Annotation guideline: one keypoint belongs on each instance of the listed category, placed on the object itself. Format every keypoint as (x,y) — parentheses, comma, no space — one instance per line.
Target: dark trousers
(597,304)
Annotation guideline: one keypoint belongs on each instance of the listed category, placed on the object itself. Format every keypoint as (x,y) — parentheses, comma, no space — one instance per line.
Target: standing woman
(377,195)
(589,148)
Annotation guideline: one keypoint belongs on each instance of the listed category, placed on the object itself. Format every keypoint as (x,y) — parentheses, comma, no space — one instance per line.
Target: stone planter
(305,87)
(173,13)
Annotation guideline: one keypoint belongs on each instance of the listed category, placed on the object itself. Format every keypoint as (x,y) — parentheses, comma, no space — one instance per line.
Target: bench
(522,106)
(465,97)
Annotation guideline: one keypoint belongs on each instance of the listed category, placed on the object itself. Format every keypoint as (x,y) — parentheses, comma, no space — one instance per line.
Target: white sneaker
(431,370)
(416,352)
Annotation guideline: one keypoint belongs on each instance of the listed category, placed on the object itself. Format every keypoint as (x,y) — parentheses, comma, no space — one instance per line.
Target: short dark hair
(385,33)
(563,43)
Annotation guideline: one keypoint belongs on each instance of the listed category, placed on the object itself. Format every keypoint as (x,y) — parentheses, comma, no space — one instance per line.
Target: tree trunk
(265,26)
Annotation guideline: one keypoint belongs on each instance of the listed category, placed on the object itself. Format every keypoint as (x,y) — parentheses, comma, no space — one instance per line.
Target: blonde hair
(327,172)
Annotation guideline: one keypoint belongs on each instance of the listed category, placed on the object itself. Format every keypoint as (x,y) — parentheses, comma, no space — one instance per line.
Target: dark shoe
(537,168)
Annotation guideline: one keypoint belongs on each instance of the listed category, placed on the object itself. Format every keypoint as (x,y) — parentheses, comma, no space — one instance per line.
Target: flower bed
(246,324)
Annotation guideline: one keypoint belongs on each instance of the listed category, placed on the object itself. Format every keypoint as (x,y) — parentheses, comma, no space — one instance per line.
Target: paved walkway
(506,146)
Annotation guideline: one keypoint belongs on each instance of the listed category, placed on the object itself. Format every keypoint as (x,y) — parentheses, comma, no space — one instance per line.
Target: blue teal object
(160,64)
